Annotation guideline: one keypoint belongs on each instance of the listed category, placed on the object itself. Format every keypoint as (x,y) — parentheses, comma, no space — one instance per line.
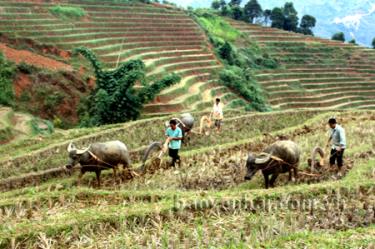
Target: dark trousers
(174,154)
(218,123)
(336,156)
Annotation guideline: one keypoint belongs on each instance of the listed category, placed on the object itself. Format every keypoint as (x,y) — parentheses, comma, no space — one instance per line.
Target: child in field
(217,114)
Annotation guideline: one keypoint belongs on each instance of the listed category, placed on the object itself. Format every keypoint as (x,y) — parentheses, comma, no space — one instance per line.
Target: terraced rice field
(166,39)
(204,202)
(314,73)
(13,126)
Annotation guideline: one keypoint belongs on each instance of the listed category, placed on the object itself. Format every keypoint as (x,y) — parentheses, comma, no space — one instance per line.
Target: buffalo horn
(71,147)
(262,158)
(83,150)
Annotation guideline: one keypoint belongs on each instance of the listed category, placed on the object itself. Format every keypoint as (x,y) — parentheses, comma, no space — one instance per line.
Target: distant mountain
(356,18)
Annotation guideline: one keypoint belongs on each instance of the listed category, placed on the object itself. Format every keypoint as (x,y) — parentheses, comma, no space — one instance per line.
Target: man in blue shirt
(174,137)
(337,140)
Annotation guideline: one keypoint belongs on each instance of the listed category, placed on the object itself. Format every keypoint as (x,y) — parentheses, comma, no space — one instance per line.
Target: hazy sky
(193,3)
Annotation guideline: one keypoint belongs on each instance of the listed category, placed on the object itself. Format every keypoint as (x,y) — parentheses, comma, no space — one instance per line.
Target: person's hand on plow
(165,147)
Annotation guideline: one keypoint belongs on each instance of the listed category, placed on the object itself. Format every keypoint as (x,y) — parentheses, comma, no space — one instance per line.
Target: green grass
(217,26)
(6,133)
(352,238)
(67,12)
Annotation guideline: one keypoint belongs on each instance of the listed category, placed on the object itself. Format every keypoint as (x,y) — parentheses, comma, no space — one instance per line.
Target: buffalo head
(253,164)
(74,155)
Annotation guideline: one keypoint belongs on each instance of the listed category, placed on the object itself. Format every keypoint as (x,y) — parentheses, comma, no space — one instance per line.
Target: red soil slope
(31,58)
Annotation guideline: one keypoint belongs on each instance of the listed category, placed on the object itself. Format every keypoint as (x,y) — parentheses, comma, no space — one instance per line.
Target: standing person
(174,137)
(217,114)
(337,140)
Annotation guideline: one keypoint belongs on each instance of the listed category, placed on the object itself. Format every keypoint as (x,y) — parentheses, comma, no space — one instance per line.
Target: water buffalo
(98,157)
(280,157)
(185,122)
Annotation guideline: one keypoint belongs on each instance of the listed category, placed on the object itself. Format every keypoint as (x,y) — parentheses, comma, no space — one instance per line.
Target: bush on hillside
(6,134)
(67,12)
(7,72)
(250,57)
(241,82)
(353,41)
(26,68)
(339,37)
(226,52)
(41,126)
(115,99)
(53,100)
(237,13)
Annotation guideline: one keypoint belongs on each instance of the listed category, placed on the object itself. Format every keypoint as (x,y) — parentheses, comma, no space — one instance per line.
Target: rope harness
(104,167)
(279,162)
(100,160)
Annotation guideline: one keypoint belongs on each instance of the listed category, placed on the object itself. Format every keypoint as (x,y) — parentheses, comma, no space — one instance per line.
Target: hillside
(167,40)
(353,17)
(205,202)
(313,72)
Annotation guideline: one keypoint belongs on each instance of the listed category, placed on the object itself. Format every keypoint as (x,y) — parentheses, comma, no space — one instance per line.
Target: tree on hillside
(7,72)
(114,98)
(277,18)
(222,3)
(225,10)
(373,43)
(252,10)
(307,23)
(353,41)
(215,4)
(290,17)
(267,15)
(339,36)
(234,3)
(237,12)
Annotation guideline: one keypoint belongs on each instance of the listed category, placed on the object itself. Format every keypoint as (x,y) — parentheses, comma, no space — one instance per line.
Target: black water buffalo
(280,157)
(98,157)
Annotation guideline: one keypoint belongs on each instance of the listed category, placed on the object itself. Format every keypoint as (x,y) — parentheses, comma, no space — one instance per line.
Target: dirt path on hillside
(3,118)
(22,123)
(31,58)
